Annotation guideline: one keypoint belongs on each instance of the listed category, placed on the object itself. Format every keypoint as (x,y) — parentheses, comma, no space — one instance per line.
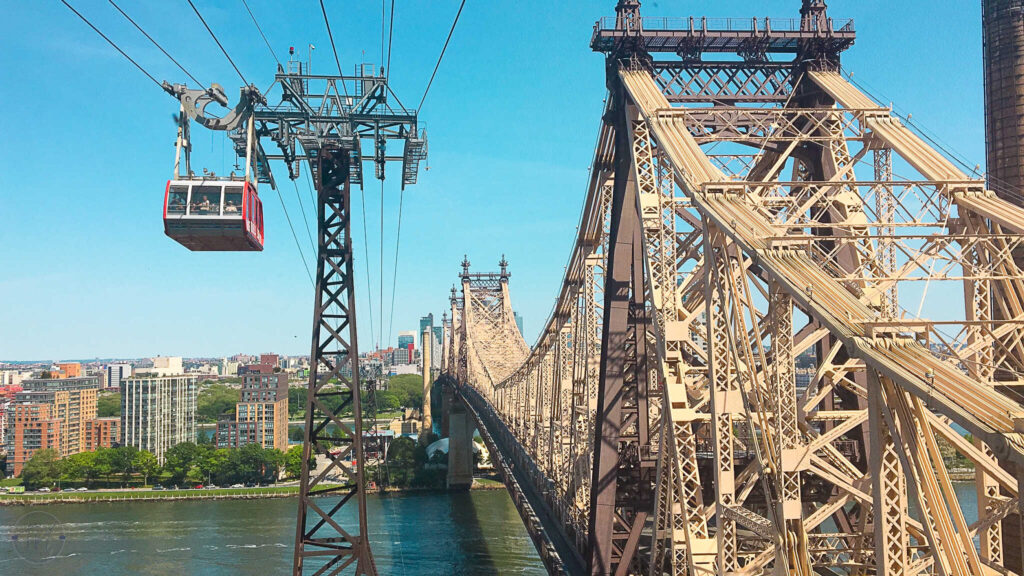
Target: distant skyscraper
(519,323)
(425,322)
(157,413)
(439,335)
(405,339)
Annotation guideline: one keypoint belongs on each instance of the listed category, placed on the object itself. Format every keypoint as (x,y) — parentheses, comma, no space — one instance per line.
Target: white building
(166,366)
(14,377)
(116,373)
(158,412)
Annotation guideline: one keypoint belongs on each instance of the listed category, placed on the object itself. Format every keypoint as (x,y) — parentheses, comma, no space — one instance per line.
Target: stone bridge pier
(458,422)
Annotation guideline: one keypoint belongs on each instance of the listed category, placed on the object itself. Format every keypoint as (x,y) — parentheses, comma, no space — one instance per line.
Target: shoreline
(36,499)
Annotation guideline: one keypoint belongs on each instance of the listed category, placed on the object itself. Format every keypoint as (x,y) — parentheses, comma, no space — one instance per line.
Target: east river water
(416,534)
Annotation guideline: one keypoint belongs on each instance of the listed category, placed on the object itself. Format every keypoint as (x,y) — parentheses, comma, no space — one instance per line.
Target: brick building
(102,433)
(261,417)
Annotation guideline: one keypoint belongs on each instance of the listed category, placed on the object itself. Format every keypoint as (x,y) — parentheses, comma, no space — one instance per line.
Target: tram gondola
(207,214)
(214,215)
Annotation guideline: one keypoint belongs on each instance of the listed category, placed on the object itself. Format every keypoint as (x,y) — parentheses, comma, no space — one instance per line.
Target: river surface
(419,534)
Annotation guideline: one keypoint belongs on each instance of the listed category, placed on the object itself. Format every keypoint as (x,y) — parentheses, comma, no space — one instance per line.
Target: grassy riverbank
(147,494)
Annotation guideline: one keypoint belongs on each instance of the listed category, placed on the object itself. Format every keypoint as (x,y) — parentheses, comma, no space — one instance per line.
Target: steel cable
(219,45)
(443,49)
(333,47)
(264,36)
(159,47)
(111,42)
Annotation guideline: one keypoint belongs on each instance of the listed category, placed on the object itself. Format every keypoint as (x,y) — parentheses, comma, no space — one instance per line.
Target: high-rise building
(32,428)
(425,322)
(158,412)
(116,373)
(405,339)
(51,413)
(439,335)
(102,433)
(519,323)
(261,417)
(272,360)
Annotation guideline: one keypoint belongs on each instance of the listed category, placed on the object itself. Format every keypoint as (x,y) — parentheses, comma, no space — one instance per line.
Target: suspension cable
(394,276)
(333,47)
(111,42)
(219,45)
(443,49)
(380,300)
(391,35)
(265,41)
(304,219)
(366,259)
(159,47)
(294,236)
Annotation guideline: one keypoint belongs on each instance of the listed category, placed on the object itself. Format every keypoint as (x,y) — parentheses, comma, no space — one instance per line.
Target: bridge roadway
(522,478)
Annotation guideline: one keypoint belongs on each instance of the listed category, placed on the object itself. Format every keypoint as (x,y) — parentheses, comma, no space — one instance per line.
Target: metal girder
(795,408)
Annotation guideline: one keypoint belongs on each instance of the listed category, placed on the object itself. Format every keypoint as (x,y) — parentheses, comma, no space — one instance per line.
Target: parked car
(198,487)
(211,487)
(44,489)
(83,489)
(237,486)
(250,484)
(158,487)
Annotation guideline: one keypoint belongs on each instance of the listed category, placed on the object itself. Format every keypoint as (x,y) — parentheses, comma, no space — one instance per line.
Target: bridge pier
(460,445)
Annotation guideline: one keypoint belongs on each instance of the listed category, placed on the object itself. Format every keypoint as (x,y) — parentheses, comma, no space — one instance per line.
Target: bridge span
(737,376)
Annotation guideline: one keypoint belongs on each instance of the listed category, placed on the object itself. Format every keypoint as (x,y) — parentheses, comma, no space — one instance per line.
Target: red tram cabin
(214,215)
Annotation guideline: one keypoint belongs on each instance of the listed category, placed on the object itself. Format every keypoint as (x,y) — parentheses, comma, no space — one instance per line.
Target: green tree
(42,469)
(122,461)
(296,434)
(402,460)
(194,476)
(146,464)
(79,467)
(180,458)
(214,400)
(296,399)
(408,389)
(293,462)
(46,375)
(108,405)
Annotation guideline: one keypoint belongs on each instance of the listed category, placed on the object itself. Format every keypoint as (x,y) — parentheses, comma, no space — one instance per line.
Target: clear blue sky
(86,271)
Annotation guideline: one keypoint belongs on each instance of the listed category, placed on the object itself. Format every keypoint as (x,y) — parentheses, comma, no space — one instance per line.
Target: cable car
(214,215)
(209,214)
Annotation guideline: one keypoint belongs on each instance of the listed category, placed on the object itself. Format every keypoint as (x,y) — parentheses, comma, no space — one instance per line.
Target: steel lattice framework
(736,377)
(324,121)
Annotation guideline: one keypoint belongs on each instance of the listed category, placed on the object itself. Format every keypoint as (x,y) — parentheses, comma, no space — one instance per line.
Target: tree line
(187,463)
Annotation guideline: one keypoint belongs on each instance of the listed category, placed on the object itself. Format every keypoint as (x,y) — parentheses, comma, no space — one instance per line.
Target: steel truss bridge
(736,378)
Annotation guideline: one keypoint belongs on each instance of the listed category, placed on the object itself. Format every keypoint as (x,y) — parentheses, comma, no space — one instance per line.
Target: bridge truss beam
(741,286)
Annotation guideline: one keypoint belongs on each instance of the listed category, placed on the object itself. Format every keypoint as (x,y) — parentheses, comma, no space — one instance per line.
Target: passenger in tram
(176,202)
(201,204)
(231,207)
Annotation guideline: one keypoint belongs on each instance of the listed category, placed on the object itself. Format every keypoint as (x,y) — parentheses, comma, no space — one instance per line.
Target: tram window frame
(180,192)
(206,189)
(232,195)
